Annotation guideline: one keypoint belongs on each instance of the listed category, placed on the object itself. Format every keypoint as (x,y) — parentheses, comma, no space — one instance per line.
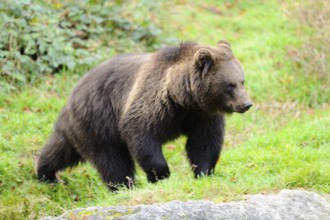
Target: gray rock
(288,204)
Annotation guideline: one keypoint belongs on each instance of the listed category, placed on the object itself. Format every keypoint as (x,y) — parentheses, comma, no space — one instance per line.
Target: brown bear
(125,109)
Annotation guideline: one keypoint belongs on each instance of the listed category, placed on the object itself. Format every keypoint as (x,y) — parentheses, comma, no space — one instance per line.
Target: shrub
(42,38)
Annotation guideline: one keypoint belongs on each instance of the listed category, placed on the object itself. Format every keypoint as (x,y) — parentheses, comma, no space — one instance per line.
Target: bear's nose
(247,106)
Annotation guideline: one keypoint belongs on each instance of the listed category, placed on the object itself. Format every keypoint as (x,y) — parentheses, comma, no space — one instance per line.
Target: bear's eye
(231,85)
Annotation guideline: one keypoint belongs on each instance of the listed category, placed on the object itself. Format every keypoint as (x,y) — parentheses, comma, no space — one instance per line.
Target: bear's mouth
(229,109)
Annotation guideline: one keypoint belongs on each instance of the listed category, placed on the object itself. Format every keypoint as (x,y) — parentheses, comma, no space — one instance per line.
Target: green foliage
(43,37)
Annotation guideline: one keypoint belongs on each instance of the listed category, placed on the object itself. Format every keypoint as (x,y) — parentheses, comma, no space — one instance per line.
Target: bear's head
(218,80)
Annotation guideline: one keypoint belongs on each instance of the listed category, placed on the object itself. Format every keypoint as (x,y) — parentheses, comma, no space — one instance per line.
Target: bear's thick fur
(124,109)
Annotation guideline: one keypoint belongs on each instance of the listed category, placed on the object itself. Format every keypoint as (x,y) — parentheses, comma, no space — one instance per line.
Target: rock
(288,204)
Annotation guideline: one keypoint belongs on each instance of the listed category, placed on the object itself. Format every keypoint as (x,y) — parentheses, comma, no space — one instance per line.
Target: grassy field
(282,142)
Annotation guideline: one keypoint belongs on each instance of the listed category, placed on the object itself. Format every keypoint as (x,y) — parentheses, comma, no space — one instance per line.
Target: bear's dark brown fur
(124,109)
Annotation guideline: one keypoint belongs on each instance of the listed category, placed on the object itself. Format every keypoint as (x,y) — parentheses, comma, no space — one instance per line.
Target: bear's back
(108,82)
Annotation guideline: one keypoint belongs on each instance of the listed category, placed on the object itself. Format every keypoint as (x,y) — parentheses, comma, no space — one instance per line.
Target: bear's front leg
(205,139)
(147,150)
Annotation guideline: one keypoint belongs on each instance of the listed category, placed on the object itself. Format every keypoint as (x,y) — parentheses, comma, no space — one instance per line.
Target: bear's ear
(225,50)
(203,60)
(224,43)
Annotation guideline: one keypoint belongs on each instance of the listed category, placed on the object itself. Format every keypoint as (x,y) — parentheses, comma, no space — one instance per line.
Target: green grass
(282,142)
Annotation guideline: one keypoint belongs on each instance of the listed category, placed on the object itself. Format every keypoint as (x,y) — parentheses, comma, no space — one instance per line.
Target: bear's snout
(247,106)
(243,108)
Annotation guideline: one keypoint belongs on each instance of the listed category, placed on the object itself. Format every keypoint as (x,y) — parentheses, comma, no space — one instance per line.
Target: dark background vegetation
(46,37)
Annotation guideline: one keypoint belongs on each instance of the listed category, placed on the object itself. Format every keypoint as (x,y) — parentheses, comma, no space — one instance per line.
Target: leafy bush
(43,37)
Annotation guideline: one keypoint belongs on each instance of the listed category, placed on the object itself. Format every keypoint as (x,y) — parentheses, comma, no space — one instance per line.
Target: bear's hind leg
(56,155)
(115,165)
